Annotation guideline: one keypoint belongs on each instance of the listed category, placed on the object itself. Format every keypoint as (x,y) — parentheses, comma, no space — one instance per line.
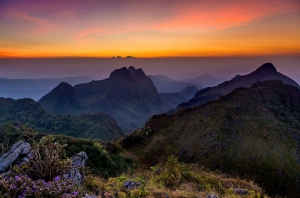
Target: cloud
(38,25)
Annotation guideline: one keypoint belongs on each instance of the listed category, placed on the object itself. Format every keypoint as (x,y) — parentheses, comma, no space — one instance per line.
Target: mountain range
(205,80)
(34,88)
(252,132)
(266,72)
(174,99)
(128,95)
(27,111)
(165,84)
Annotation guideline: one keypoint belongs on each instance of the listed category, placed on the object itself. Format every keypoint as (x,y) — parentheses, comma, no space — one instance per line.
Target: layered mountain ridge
(128,95)
(252,132)
(27,111)
(266,72)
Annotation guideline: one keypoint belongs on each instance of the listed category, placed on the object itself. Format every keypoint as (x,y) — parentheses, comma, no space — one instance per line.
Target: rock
(19,149)
(128,185)
(78,161)
(240,191)
(212,196)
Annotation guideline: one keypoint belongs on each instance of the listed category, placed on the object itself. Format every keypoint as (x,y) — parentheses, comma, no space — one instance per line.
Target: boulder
(78,161)
(20,151)
(128,185)
(240,191)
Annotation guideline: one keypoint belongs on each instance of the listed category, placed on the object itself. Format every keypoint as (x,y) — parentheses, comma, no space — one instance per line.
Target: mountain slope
(164,84)
(34,88)
(128,95)
(265,72)
(62,99)
(252,132)
(95,126)
(205,80)
(189,92)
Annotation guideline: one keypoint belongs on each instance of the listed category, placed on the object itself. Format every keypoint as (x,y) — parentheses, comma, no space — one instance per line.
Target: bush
(42,176)
(48,160)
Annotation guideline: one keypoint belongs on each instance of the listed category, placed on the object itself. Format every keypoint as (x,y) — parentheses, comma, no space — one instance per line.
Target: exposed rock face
(78,161)
(18,150)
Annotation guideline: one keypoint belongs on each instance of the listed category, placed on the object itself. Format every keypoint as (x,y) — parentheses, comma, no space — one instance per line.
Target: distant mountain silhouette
(34,88)
(165,84)
(95,126)
(266,72)
(189,92)
(128,95)
(62,100)
(252,132)
(205,80)
(174,99)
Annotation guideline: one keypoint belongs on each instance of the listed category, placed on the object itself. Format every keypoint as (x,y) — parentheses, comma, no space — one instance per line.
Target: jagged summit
(128,95)
(136,73)
(126,74)
(118,74)
(266,68)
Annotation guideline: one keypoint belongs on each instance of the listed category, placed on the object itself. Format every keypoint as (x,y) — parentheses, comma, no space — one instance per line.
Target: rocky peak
(136,73)
(120,74)
(266,68)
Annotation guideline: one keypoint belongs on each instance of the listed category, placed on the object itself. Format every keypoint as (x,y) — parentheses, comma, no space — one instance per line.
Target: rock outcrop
(19,152)
(78,161)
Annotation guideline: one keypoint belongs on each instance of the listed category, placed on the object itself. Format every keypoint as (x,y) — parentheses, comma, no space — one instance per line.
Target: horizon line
(148,57)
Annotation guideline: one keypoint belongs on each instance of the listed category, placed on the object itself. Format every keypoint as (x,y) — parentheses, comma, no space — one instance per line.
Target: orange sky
(99,28)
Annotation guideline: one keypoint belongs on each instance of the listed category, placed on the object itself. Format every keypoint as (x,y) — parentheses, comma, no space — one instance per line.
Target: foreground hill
(165,84)
(128,95)
(107,173)
(265,72)
(95,126)
(251,132)
(34,88)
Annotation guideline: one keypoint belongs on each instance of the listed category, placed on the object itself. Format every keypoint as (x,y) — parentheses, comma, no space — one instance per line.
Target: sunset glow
(100,28)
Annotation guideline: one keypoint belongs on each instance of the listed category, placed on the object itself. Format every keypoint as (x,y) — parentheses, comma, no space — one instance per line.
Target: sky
(145,29)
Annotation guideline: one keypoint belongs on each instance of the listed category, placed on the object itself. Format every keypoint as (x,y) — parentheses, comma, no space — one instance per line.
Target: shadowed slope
(128,95)
(253,131)
(265,72)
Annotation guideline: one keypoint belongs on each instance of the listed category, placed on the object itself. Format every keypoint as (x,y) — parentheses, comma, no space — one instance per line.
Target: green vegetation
(103,158)
(27,111)
(251,132)
(174,179)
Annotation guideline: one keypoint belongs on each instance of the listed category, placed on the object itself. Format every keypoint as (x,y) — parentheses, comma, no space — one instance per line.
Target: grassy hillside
(107,171)
(251,132)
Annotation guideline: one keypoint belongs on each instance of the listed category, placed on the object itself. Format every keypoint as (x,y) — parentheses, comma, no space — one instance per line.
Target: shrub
(48,160)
